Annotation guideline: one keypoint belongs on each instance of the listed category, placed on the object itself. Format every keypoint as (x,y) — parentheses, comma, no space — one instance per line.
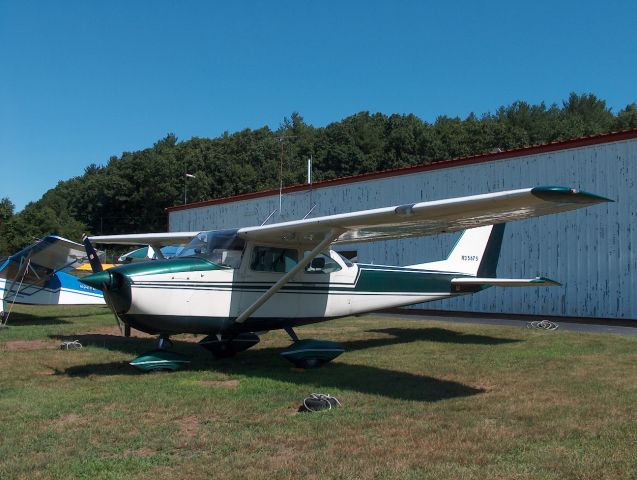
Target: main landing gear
(310,353)
(224,346)
(160,359)
(302,353)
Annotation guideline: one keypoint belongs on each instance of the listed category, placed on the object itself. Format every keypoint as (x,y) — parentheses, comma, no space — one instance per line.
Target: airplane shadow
(406,335)
(266,363)
(25,319)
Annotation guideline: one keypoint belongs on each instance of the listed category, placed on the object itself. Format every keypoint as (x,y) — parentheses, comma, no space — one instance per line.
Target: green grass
(421,399)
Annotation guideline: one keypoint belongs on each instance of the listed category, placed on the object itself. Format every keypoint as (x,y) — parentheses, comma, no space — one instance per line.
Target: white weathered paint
(591,251)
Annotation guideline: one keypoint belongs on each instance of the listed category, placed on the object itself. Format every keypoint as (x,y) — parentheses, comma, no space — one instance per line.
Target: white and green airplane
(230,284)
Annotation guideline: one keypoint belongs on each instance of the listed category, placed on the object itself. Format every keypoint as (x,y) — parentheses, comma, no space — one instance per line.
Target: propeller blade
(96,266)
(93,259)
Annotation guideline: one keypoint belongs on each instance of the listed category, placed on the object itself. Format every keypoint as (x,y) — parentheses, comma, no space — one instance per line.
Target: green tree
(6,213)
(626,118)
(6,210)
(130,192)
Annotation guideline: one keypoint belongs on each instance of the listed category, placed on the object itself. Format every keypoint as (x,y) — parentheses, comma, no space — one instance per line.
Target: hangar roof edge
(452,162)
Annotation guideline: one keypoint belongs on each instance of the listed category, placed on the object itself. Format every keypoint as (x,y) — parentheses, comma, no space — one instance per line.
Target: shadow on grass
(26,319)
(407,335)
(266,363)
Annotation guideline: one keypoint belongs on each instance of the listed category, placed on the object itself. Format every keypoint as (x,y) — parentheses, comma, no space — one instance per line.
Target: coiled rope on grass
(74,345)
(319,401)
(543,325)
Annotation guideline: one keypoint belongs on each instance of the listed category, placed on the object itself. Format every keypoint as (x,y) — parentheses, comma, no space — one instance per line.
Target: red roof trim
(454,162)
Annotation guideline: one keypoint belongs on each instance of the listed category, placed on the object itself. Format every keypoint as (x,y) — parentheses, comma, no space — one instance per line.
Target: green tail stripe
(491,254)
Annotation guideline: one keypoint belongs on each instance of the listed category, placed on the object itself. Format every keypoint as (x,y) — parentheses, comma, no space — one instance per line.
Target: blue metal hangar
(592,251)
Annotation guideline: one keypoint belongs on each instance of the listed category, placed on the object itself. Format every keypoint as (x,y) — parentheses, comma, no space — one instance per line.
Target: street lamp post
(186,177)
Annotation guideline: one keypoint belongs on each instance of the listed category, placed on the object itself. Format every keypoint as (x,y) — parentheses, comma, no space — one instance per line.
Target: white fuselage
(227,293)
(54,292)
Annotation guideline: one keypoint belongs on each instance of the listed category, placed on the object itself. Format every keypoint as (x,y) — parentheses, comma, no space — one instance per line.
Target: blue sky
(81,81)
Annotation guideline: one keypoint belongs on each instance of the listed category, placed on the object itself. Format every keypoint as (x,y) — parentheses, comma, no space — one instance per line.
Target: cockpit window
(222,247)
(273,259)
(322,263)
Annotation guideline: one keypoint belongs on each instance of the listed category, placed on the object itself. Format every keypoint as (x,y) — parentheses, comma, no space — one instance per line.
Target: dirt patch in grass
(70,421)
(220,383)
(15,345)
(189,427)
(47,372)
(140,452)
(114,330)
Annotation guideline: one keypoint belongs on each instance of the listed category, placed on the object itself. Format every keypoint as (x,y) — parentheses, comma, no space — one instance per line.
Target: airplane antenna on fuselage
(311,209)
(269,216)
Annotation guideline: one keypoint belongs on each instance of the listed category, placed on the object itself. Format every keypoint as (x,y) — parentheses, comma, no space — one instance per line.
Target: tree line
(130,192)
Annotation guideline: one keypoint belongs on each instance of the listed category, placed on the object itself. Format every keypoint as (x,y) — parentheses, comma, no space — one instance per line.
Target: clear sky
(81,81)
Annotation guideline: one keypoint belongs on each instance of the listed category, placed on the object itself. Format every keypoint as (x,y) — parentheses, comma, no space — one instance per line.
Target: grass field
(421,399)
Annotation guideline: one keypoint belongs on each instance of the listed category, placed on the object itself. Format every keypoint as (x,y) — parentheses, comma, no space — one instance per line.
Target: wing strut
(333,235)
(25,262)
(157,249)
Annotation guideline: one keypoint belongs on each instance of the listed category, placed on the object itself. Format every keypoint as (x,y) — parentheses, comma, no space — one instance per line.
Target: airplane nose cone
(116,287)
(99,280)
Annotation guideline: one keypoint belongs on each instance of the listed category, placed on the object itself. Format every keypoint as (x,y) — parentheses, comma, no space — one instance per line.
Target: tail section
(476,253)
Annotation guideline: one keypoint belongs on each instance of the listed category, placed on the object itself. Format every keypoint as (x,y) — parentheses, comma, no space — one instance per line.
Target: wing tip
(567,195)
(548,282)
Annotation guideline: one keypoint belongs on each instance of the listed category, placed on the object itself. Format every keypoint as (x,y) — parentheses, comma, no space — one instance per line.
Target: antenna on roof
(281,177)
(281,139)
(309,182)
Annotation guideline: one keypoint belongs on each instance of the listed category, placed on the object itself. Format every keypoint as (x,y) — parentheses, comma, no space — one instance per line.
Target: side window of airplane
(272,259)
(322,263)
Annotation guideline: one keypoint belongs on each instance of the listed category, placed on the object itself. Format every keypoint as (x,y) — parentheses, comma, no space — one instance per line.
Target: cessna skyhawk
(229,284)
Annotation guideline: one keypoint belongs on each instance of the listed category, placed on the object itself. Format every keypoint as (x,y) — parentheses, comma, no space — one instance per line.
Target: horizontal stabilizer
(507,282)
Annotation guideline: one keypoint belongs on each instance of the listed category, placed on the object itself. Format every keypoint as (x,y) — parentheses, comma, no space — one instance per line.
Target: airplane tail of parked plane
(475,257)
(475,253)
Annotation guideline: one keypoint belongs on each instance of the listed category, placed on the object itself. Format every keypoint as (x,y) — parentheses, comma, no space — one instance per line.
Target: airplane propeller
(96,267)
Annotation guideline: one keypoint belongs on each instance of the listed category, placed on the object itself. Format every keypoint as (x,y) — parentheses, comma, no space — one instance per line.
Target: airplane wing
(52,252)
(34,275)
(426,218)
(154,239)
(401,221)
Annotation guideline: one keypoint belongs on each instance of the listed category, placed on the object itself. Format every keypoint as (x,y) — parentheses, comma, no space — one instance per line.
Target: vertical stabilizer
(476,253)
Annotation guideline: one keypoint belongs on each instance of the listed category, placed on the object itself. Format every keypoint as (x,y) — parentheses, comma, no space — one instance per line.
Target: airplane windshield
(223,247)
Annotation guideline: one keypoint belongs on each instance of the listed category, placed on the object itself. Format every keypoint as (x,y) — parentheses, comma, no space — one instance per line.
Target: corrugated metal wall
(591,251)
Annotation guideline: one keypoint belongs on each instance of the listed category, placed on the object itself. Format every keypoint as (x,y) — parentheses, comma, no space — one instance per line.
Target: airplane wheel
(229,346)
(313,362)
(160,370)
(312,353)
(223,350)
